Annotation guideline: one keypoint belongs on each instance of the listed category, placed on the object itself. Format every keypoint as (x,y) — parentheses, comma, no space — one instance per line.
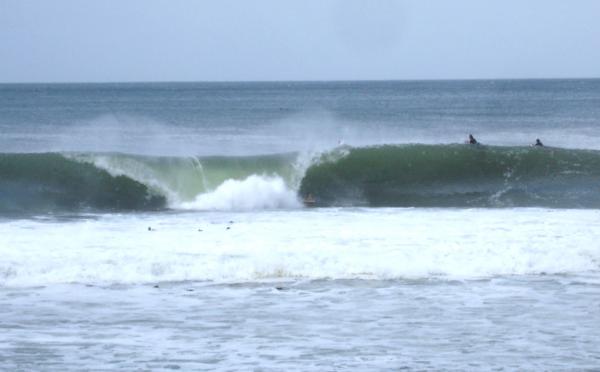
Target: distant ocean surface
(300,226)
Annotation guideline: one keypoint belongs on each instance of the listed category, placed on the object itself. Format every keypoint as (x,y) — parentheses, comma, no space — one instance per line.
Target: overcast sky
(205,40)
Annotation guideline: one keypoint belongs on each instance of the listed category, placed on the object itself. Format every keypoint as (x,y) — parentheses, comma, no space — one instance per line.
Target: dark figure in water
(538,143)
(472,140)
(309,199)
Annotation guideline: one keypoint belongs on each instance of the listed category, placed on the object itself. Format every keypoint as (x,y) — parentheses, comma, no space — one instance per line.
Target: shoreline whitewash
(232,247)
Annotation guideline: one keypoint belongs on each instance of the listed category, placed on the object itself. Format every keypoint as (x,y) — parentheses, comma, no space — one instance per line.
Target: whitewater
(165,226)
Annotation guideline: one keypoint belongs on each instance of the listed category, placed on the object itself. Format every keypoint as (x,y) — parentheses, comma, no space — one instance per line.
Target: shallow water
(334,289)
(548,322)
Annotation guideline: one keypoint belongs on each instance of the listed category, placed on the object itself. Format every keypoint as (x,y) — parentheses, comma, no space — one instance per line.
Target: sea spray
(253,193)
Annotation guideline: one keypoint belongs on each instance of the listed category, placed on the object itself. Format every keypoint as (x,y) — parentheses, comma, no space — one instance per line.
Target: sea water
(162,226)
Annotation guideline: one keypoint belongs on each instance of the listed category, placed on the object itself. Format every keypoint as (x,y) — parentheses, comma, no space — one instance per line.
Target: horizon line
(289,81)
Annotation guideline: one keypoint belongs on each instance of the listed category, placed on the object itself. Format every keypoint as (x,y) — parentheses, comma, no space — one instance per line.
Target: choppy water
(515,323)
(161,226)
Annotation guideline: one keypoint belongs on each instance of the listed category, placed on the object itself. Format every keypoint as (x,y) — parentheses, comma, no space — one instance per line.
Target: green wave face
(181,179)
(49,182)
(457,176)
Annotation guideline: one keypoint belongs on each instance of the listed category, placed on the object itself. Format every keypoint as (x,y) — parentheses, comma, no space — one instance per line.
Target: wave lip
(456,176)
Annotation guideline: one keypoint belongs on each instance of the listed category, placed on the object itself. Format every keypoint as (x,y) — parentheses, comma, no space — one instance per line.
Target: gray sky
(177,40)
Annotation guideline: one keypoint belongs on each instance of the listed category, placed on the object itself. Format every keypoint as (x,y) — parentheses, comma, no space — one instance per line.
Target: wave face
(456,176)
(48,182)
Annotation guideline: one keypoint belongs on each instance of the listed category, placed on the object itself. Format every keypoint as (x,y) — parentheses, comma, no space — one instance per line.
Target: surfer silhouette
(538,143)
(309,200)
(472,140)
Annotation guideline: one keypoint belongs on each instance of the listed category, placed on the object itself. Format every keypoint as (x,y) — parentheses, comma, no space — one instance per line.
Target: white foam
(253,193)
(313,244)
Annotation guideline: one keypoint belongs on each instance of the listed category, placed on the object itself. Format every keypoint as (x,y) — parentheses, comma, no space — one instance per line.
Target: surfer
(309,200)
(538,143)
(472,140)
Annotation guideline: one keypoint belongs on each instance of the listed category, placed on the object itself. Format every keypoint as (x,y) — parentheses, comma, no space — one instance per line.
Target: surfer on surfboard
(472,140)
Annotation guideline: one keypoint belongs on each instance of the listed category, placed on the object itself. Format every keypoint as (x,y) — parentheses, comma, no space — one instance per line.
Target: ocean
(311,226)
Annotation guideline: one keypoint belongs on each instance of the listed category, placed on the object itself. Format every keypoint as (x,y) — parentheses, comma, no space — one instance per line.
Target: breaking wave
(119,182)
(456,176)
(391,175)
